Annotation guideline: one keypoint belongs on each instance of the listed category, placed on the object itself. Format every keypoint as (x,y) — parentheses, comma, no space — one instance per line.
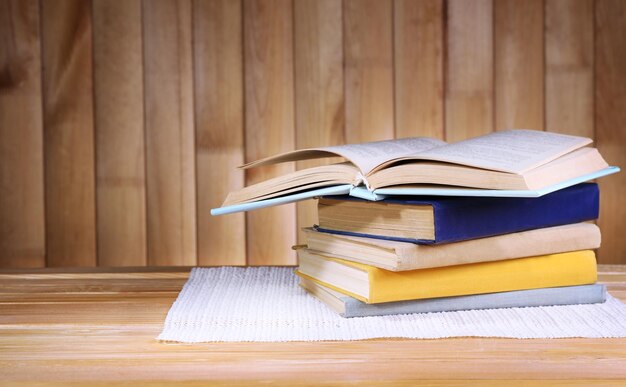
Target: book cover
(348,307)
(422,190)
(463,218)
(510,163)
(374,285)
(399,256)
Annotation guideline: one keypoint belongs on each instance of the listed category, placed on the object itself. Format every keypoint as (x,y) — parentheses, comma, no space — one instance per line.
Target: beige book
(400,256)
(504,160)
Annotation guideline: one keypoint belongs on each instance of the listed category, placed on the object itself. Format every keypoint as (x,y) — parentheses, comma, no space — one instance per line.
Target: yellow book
(374,285)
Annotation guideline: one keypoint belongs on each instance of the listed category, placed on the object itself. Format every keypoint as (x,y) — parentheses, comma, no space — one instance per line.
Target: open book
(521,163)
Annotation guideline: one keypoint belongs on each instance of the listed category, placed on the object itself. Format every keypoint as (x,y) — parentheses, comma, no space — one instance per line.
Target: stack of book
(409,255)
(496,221)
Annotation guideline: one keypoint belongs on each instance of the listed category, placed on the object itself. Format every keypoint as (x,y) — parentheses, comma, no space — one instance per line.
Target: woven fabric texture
(265,304)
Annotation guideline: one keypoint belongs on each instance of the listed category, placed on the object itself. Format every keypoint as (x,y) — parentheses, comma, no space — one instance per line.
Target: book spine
(567,295)
(470,218)
(545,271)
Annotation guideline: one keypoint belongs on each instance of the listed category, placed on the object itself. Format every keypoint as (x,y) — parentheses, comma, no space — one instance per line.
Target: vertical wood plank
(418,61)
(610,123)
(318,84)
(119,119)
(269,110)
(68,133)
(519,62)
(368,50)
(469,69)
(218,79)
(22,238)
(170,138)
(569,67)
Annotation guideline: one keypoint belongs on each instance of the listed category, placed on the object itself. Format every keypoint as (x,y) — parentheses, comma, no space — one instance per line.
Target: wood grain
(418,68)
(219,112)
(22,238)
(100,326)
(519,63)
(469,69)
(610,123)
(269,122)
(368,42)
(170,137)
(318,85)
(68,133)
(296,73)
(120,145)
(569,67)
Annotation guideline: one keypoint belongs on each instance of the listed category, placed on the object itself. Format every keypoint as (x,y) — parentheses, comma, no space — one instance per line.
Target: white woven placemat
(266,304)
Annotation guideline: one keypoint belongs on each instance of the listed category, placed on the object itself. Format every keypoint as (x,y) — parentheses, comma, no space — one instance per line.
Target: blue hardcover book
(455,219)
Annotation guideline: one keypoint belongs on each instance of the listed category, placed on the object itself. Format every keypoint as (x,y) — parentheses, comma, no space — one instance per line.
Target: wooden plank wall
(22,229)
(122,122)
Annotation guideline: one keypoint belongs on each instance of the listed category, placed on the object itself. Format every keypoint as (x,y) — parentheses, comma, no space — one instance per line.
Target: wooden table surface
(98,325)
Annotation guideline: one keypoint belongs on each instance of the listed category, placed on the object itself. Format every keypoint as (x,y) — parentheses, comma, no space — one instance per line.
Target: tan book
(399,256)
(504,160)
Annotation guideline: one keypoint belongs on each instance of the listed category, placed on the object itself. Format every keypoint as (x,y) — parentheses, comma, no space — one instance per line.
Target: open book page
(365,156)
(513,151)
